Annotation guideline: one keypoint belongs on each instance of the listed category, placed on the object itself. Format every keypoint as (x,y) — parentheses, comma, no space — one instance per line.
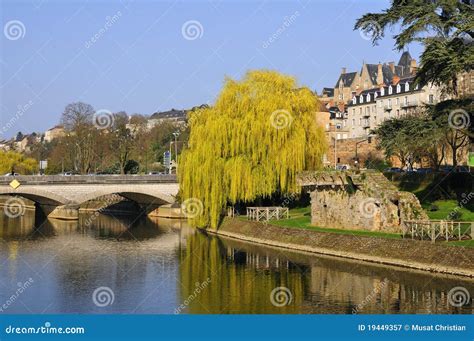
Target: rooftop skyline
(144,57)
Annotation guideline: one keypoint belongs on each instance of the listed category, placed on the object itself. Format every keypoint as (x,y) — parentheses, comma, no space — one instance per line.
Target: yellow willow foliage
(259,134)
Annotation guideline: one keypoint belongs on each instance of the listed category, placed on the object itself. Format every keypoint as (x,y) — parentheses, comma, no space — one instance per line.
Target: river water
(104,264)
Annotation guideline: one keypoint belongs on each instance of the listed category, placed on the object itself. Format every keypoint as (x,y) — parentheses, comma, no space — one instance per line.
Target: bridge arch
(40,196)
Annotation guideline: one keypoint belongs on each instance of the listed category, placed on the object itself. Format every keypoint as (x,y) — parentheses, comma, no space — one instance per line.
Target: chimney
(413,66)
(395,80)
(379,74)
(392,66)
(343,71)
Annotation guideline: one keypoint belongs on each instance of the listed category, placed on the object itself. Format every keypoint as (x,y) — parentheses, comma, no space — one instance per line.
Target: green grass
(465,243)
(445,208)
(304,222)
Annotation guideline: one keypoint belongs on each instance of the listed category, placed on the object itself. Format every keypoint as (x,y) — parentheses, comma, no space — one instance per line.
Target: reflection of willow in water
(242,277)
(239,282)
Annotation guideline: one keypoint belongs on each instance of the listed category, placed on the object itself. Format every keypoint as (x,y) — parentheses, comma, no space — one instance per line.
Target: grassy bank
(300,218)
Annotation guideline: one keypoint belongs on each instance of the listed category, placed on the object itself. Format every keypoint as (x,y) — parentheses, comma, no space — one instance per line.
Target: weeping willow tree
(251,144)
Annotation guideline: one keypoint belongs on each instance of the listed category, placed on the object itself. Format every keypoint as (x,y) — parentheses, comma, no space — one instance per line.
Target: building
(371,107)
(372,76)
(54,133)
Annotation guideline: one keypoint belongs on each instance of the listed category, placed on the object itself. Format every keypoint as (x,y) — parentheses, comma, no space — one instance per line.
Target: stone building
(359,200)
(371,107)
(54,133)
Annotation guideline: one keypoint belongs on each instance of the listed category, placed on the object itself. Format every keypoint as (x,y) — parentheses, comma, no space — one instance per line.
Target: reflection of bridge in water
(61,196)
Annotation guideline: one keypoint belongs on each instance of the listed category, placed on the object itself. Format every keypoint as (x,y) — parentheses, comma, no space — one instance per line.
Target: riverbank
(405,253)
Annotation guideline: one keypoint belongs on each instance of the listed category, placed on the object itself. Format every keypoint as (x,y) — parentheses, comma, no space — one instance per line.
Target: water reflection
(163,266)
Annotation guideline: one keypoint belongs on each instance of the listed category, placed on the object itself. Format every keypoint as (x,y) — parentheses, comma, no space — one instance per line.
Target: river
(105,264)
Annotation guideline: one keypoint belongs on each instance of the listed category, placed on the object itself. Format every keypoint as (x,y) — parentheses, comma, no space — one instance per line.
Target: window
(374,108)
(360,111)
(416,87)
(344,123)
(389,103)
(407,86)
(338,136)
(368,98)
(338,126)
(367,110)
(380,103)
(397,101)
(361,99)
(431,99)
(398,113)
(390,90)
(406,99)
(353,112)
(354,100)
(360,121)
(344,136)
(382,92)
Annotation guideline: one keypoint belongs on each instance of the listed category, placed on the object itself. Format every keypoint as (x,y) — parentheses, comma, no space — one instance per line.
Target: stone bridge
(60,196)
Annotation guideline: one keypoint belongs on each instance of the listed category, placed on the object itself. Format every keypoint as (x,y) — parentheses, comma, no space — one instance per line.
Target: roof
(405,59)
(329,92)
(346,78)
(173,113)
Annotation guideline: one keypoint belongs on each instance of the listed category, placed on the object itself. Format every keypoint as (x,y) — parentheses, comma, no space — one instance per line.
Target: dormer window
(361,99)
(416,87)
(368,98)
(382,92)
(399,88)
(375,95)
(390,90)
(407,86)
(354,100)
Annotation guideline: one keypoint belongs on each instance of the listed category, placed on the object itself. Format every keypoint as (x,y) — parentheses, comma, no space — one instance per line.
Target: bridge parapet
(88,179)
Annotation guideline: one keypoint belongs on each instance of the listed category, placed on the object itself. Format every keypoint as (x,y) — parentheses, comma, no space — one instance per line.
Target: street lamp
(369,140)
(176,134)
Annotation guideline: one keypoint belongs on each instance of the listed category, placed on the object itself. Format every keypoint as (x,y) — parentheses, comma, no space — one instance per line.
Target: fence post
(433,233)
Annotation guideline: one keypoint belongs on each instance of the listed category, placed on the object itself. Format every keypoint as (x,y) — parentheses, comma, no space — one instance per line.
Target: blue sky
(141,61)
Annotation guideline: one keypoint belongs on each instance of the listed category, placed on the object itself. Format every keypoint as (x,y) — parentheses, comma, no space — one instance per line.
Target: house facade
(370,108)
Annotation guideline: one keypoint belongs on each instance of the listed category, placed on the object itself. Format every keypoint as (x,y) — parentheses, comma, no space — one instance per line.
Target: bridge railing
(438,230)
(88,179)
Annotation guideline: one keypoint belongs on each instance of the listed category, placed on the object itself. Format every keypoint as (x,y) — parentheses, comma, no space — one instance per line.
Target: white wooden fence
(267,213)
(436,230)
